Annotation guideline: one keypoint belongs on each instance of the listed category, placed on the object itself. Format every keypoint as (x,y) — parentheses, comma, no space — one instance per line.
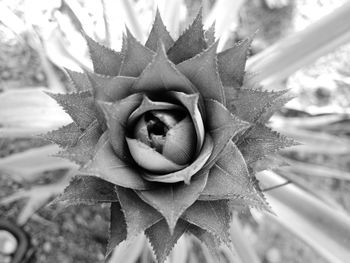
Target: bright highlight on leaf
(167,133)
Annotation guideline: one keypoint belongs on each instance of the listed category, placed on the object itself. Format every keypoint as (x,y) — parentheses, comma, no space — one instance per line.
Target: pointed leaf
(202,71)
(79,80)
(231,64)
(254,201)
(110,89)
(162,241)
(136,57)
(171,200)
(261,141)
(250,105)
(82,151)
(105,60)
(257,200)
(222,126)
(117,228)
(80,106)
(161,74)
(190,43)
(229,177)
(89,190)
(65,136)
(212,216)
(270,162)
(139,215)
(276,105)
(159,32)
(106,165)
(117,115)
(210,35)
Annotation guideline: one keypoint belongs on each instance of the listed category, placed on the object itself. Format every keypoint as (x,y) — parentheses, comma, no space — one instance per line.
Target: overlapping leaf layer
(229,121)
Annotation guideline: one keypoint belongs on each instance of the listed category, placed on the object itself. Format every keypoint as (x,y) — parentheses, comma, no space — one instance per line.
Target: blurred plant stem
(132,18)
(280,60)
(241,245)
(325,229)
(105,20)
(30,164)
(225,14)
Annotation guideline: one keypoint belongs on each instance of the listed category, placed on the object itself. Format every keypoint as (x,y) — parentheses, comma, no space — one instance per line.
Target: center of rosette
(169,132)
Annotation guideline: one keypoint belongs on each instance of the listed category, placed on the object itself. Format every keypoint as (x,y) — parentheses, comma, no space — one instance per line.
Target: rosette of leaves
(169,135)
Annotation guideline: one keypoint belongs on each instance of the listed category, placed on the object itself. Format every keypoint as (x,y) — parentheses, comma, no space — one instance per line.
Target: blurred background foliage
(300,45)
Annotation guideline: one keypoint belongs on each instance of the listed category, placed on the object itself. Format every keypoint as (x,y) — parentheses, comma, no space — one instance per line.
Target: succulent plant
(170,134)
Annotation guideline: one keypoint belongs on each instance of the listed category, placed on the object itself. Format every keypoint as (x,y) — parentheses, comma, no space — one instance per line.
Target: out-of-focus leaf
(210,241)
(309,187)
(28,112)
(324,229)
(32,162)
(242,246)
(53,80)
(202,71)
(171,200)
(78,15)
(316,170)
(37,197)
(180,251)
(129,252)
(139,216)
(301,48)
(89,190)
(162,241)
(225,13)
(190,43)
(64,56)
(136,56)
(10,20)
(312,122)
(316,142)
(132,18)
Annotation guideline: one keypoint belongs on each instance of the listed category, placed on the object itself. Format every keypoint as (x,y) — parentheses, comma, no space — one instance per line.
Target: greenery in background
(304,126)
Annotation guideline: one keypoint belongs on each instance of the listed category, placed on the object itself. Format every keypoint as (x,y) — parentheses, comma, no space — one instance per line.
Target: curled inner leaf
(168,132)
